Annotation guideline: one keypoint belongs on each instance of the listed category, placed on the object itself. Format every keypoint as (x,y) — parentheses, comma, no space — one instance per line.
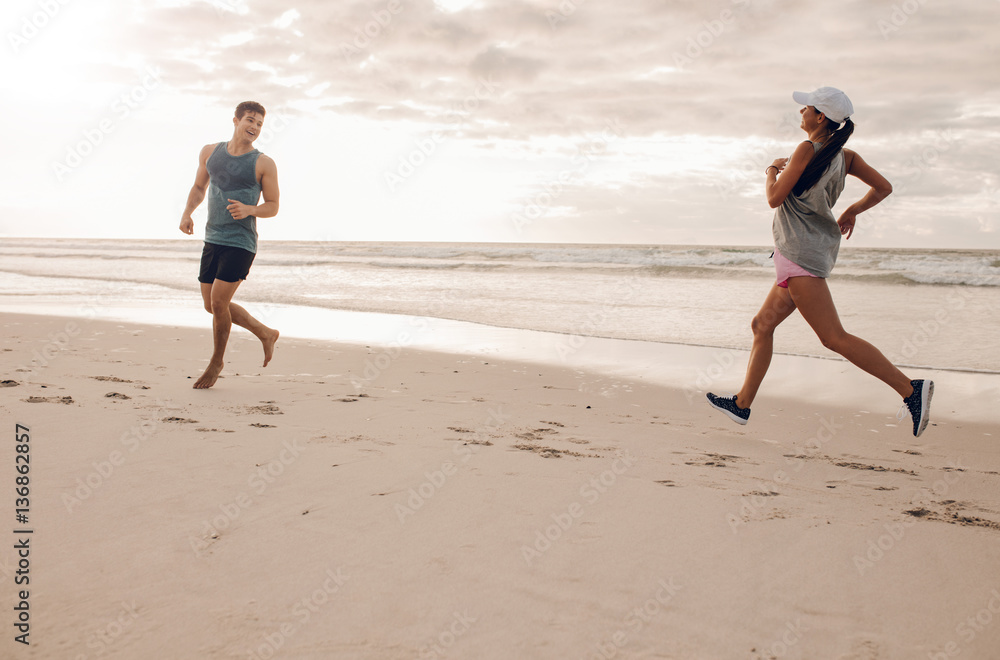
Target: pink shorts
(786,269)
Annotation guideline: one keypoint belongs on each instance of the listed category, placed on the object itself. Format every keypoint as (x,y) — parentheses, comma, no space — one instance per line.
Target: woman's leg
(811,296)
(776,308)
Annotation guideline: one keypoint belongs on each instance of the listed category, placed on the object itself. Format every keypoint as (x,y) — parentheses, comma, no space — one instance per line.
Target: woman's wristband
(769,167)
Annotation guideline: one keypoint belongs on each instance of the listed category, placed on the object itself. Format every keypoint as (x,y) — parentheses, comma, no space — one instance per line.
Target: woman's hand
(846,223)
(778,188)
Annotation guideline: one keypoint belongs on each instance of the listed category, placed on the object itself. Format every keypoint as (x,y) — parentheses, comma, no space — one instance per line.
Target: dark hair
(821,159)
(249,106)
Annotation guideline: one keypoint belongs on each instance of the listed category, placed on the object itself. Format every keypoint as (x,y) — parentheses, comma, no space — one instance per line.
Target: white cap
(829,100)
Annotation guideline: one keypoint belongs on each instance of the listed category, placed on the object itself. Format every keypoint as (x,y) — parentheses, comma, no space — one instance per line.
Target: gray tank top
(805,229)
(232,177)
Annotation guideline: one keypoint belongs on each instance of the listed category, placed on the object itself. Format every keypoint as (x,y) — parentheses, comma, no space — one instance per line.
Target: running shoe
(728,406)
(919,405)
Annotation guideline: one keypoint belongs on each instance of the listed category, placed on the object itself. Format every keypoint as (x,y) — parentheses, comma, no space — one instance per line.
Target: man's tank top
(232,177)
(805,230)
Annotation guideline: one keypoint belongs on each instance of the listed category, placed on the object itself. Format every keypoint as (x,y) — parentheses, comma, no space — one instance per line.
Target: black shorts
(222,262)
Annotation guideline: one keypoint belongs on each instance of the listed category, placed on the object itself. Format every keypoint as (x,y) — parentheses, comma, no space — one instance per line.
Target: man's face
(249,125)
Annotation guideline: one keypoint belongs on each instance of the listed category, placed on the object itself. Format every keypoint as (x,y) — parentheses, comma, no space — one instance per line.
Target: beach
(395,500)
(524,260)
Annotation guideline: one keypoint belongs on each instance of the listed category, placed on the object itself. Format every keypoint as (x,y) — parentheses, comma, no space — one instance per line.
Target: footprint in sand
(875,468)
(532,436)
(544,452)
(762,493)
(266,408)
(716,460)
(475,440)
(49,399)
(950,511)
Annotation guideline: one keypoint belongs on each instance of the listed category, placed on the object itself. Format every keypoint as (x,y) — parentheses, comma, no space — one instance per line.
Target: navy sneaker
(729,407)
(919,405)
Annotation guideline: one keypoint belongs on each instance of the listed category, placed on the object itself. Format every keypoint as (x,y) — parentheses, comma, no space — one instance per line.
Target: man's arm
(268,189)
(198,190)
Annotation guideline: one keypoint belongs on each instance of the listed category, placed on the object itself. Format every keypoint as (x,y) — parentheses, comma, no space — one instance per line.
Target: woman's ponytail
(821,160)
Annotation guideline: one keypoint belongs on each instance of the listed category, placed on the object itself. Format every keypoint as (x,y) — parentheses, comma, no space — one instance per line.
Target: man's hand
(239,210)
(846,223)
(187,224)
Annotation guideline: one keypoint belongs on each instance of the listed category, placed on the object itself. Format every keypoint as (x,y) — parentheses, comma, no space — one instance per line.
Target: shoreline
(277,242)
(693,369)
(483,505)
(650,295)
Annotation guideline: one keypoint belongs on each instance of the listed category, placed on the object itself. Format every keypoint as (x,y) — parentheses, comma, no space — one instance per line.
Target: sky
(570,121)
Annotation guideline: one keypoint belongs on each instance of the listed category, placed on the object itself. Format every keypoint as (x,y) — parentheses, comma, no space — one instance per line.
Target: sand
(365,502)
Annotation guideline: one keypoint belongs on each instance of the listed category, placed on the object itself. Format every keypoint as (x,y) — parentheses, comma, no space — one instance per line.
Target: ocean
(923,308)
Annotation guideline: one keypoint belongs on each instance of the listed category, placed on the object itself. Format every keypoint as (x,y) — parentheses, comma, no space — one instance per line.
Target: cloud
(701,89)
(723,68)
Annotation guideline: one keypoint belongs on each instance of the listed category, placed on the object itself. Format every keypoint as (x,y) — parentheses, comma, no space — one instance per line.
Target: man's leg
(222,322)
(239,316)
(206,296)
(267,336)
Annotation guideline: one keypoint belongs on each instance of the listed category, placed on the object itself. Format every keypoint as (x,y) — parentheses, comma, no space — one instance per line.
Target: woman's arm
(777,188)
(879,190)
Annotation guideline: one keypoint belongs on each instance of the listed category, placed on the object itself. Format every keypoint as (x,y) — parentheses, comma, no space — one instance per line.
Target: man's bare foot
(209,377)
(268,342)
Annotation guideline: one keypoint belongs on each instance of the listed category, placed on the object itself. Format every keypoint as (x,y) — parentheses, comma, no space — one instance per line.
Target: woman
(804,189)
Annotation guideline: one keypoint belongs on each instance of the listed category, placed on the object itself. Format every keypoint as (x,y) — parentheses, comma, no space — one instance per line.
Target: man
(234,175)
